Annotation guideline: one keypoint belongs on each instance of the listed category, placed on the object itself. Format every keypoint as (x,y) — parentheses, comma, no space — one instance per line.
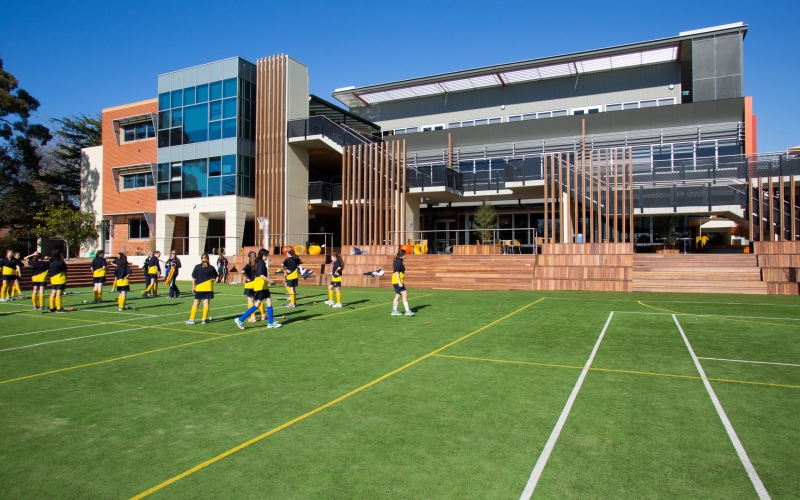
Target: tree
(71,225)
(61,175)
(20,160)
(485,221)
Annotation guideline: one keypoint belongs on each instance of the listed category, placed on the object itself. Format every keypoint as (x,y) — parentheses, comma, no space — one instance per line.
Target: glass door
(445,235)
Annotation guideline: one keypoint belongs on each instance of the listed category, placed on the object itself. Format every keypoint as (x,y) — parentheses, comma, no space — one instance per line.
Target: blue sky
(79,57)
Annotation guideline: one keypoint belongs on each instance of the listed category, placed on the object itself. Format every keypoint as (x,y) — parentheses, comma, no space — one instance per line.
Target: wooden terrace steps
(699,273)
(780,265)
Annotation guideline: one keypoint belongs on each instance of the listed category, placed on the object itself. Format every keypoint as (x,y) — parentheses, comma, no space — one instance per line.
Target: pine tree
(61,175)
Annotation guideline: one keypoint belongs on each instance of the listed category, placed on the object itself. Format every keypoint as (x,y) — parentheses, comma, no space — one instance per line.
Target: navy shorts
(39,283)
(336,284)
(126,288)
(58,287)
(399,288)
(203,295)
(261,295)
(291,283)
(149,278)
(249,292)
(9,278)
(98,280)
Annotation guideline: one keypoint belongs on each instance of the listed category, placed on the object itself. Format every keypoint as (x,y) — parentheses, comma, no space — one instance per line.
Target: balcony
(434,178)
(321,129)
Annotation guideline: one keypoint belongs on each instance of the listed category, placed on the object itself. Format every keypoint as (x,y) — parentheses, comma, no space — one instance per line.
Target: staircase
(698,273)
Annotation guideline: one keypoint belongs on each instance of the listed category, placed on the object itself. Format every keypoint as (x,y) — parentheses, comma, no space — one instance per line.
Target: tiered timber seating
(700,273)
(779,262)
(589,266)
(79,273)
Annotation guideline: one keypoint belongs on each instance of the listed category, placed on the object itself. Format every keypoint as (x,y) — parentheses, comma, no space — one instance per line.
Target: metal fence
(322,125)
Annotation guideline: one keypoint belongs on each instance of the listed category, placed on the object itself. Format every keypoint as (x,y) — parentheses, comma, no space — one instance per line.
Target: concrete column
(412,220)
(565,217)
(296,195)
(165,227)
(198,228)
(234,230)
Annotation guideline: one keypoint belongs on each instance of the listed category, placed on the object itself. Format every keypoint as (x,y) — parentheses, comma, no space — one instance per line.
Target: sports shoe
(60,311)
(189,321)
(290,305)
(274,325)
(205,321)
(328,302)
(238,323)
(145,296)
(4,299)
(396,313)
(121,309)
(336,306)
(409,312)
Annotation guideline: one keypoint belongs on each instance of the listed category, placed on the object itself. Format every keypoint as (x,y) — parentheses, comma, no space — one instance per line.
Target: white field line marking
(748,465)
(708,315)
(551,442)
(73,338)
(679,301)
(747,361)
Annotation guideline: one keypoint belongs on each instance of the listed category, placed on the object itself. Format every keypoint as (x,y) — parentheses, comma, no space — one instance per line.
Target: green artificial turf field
(480,395)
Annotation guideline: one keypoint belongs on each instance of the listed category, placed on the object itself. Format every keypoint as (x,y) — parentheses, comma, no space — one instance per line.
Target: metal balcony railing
(326,192)
(322,125)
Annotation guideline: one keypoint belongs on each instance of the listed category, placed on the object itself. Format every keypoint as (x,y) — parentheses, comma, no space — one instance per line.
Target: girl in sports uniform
(174,264)
(122,275)
(291,275)
(9,275)
(99,270)
(249,273)
(398,282)
(16,291)
(58,281)
(203,278)
(261,292)
(337,268)
(39,278)
(222,268)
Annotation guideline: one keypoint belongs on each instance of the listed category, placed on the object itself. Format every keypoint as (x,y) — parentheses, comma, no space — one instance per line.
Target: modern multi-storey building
(585,147)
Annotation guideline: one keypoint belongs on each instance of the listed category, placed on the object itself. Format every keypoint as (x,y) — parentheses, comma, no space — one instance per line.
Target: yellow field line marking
(368,307)
(319,409)
(612,370)
(186,331)
(98,323)
(717,317)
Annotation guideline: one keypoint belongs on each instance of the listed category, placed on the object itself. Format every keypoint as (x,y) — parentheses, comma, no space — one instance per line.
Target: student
(9,275)
(222,268)
(58,281)
(337,268)
(148,280)
(39,278)
(114,283)
(291,275)
(157,263)
(152,270)
(249,273)
(173,266)
(122,279)
(99,270)
(203,278)
(398,281)
(16,291)
(261,292)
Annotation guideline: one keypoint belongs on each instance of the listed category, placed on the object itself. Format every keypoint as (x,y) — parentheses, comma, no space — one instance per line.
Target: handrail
(494,242)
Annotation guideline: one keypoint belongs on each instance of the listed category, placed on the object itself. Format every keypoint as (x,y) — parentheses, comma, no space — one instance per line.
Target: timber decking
(700,273)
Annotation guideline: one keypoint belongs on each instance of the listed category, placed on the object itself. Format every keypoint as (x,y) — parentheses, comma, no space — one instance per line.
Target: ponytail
(400,254)
(251,258)
(122,260)
(339,260)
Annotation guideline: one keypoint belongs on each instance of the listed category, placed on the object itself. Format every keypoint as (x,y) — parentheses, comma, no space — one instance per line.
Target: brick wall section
(130,201)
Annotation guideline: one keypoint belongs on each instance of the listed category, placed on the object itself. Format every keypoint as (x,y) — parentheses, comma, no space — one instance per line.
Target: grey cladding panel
(164,83)
(202,74)
(177,80)
(703,65)
(215,72)
(230,68)
(728,55)
(705,90)
(190,77)
(728,86)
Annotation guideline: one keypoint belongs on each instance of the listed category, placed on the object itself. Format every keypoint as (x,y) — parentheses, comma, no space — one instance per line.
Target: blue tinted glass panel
(163,101)
(175,190)
(175,137)
(201,93)
(163,172)
(216,110)
(127,182)
(229,128)
(195,178)
(176,170)
(188,96)
(163,191)
(215,90)
(177,117)
(163,120)
(214,131)
(230,87)
(177,100)
(141,180)
(151,132)
(214,166)
(163,138)
(228,164)
(196,123)
(214,186)
(229,108)
(228,185)
(141,131)
(130,132)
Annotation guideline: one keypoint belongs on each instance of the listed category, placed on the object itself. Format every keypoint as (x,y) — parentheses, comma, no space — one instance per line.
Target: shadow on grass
(294,319)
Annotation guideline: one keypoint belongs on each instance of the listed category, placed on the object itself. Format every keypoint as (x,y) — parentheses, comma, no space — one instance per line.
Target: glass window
(244,109)
(163,172)
(127,182)
(529,116)
(630,105)
(216,110)
(214,166)
(176,170)
(229,87)
(163,138)
(228,164)
(162,192)
(215,91)
(228,185)
(196,123)
(411,130)
(648,104)
(594,110)
(454,125)
(666,102)
(614,107)
(683,150)
(481,165)
(560,112)
(482,121)
(213,186)
(467,123)
(579,112)
(151,131)
(229,128)
(229,108)
(707,149)
(175,190)
(728,148)
(163,101)
(400,131)
(177,117)
(195,178)
(175,137)
(516,118)
(141,131)
(177,98)
(138,228)
(214,131)
(662,154)
(188,96)
(201,93)
(129,133)
(163,120)
(495,120)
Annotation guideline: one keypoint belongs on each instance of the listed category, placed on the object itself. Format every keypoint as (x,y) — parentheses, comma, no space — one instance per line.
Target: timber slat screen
(594,192)
(271,143)
(373,193)
(773,208)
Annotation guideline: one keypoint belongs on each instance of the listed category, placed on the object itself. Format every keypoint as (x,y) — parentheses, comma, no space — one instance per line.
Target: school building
(649,144)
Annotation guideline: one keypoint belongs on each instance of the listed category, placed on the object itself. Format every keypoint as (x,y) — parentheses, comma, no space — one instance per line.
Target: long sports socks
(52,302)
(4,290)
(41,299)
(330,295)
(338,297)
(193,313)
(205,313)
(58,303)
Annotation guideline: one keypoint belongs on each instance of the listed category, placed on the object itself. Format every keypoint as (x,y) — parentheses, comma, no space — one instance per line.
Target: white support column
(198,227)
(412,220)
(165,228)
(565,217)
(234,230)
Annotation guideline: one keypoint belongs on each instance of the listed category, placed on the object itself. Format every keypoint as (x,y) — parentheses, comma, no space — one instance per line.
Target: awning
(139,168)
(129,120)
